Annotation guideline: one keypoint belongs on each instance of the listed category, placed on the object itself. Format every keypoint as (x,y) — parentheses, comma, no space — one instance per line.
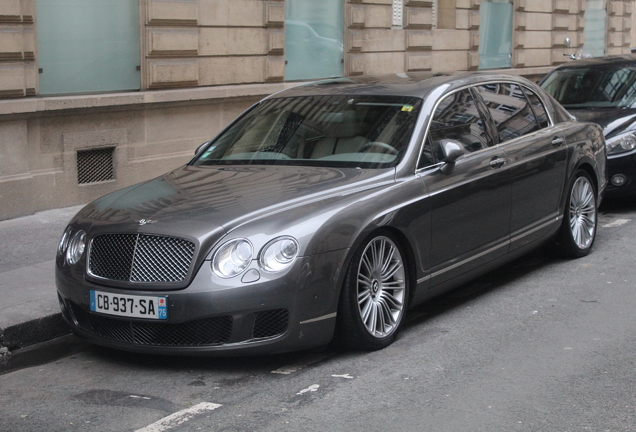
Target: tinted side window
(457,118)
(538,108)
(509,109)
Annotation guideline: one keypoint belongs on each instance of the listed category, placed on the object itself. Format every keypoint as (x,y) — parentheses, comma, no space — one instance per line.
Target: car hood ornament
(145,221)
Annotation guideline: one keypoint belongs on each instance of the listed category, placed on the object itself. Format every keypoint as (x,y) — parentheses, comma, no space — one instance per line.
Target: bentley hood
(208,198)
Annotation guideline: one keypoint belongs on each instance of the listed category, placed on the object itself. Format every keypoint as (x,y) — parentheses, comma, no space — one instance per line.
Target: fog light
(62,305)
(618,180)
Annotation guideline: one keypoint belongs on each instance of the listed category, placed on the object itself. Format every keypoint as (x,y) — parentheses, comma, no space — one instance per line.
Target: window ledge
(44,104)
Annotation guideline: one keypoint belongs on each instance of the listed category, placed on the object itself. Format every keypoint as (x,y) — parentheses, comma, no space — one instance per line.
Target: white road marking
(303,363)
(139,397)
(311,388)
(180,417)
(617,223)
(347,376)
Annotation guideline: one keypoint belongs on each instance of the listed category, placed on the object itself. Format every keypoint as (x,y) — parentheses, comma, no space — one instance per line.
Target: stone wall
(198,43)
(204,61)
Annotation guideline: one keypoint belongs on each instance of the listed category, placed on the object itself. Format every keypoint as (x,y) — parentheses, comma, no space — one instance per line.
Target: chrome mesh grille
(270,323)
(140,257)
(208,331)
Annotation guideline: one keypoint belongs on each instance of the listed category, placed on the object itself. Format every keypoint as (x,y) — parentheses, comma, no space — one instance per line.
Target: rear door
(536,153)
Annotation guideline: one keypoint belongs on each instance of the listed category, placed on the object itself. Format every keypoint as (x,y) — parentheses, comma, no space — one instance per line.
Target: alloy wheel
(582,212)
(381,287)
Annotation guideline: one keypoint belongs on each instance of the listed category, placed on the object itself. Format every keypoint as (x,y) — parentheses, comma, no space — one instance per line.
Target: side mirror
(451,151)
(201,147)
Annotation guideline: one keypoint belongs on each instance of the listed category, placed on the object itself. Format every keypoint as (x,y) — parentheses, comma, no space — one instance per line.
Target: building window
(314,34)
(88,46)
(594,33)
(495,34)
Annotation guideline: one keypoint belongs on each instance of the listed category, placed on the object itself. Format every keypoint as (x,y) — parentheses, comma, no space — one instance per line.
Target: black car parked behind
(603,91)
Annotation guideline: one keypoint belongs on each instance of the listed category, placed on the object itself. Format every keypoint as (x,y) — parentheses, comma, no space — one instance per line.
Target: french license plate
(153,307)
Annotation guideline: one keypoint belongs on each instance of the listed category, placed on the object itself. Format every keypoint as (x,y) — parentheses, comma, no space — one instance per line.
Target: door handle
(557,141)
(497,162)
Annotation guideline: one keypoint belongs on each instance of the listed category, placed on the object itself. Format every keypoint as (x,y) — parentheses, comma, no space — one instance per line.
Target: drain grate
(95,165)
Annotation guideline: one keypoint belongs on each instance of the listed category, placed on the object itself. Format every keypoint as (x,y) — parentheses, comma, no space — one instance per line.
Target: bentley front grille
(140,258)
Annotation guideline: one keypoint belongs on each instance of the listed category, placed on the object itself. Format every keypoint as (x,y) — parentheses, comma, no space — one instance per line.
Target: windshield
(593,87)
(334,131)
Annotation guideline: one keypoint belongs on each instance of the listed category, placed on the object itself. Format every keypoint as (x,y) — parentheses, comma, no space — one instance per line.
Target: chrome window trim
(472,86)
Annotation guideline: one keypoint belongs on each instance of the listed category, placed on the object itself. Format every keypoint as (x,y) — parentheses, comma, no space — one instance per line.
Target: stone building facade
(202,62)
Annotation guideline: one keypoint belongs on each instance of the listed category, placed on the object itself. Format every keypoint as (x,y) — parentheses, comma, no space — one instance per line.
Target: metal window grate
(95,165)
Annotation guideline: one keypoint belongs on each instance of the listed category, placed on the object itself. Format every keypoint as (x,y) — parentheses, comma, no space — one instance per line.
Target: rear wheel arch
(577,233)
(590,171)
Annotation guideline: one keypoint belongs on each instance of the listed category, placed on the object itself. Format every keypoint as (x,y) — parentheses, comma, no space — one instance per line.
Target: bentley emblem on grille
(145,221)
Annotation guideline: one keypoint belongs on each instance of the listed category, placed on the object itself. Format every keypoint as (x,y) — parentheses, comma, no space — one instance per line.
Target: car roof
(418,84)
(601,62)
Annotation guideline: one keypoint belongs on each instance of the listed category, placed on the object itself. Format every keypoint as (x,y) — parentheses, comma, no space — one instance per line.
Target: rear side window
(509,109)
(538,108)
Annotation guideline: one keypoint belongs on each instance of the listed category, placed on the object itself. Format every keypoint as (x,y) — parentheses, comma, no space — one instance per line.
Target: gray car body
(452,227)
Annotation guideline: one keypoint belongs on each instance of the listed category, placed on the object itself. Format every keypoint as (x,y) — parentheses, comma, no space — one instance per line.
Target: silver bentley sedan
(325,211)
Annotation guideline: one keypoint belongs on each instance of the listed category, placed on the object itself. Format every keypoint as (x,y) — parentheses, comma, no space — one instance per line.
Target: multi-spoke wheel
(579,223)
(375,294)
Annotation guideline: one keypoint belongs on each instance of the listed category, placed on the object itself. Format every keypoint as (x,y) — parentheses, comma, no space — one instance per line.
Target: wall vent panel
(95,165)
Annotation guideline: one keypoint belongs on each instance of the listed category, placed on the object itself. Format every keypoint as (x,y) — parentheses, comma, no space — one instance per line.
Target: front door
(470,207)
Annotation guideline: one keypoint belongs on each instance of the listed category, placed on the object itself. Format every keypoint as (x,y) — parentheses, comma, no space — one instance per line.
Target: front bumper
(291,311)
(621,165)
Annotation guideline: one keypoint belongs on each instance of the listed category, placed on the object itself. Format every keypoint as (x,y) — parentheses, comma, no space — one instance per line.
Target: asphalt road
(541,345)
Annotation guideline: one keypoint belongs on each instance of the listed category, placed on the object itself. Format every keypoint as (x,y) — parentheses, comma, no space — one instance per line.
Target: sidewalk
(29,311)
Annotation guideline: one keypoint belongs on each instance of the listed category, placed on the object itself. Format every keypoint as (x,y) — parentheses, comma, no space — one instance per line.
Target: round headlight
(76,247)
(232,258)
(621,144)
(278,254)
(66,236)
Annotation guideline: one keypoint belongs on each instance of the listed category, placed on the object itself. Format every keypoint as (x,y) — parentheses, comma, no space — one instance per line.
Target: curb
(30,333)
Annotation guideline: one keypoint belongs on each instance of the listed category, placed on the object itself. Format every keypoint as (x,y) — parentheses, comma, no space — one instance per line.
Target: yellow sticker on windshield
(407,108)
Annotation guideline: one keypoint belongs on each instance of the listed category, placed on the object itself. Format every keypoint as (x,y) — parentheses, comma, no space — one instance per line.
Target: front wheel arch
(352,330)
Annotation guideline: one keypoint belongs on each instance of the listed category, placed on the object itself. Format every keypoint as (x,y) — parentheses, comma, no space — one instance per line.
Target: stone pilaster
(18,72)
(374,45)
(419,35)
(468,20)
(534,21)
(619,26)
(568,23)
(171,44)
(190,43)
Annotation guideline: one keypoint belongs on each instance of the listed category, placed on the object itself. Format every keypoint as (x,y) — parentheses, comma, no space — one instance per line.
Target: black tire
(376,285)
(580,218)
